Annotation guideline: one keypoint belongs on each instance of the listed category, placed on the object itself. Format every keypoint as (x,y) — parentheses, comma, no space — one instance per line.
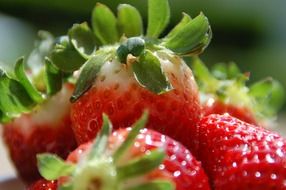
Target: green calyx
(226,83)
(99,170)
(78,49)
(29,82)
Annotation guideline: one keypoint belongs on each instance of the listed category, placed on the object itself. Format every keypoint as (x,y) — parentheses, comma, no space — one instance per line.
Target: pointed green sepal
(141,165)
(155,185)
(207,82)
(149,74)
(136,127)
(89,73)
(184,21)
(3,117)
(158,17)
(53,78)
(100,144)
(129,21)
(51,167)
(226,71)
(14,99)
(191,37)
(269,95)
(23,79)
(82,39)
(65,57)
(104,24)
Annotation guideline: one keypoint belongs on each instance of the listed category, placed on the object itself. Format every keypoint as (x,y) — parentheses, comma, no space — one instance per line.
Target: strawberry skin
(237,155)
(43,185)
(178,166)
(43,130)
(116,93)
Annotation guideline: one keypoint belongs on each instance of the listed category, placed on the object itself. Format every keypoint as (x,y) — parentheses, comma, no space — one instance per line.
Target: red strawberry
(223,90)
(35,110)
(122,78)
(46,129)
(43,185)
(126,160)
(237,155)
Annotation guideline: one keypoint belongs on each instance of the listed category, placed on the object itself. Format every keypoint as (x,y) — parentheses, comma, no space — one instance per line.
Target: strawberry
(43,185)
(223,90)
(125,76)
(237,155)
(128,158)
(35,121)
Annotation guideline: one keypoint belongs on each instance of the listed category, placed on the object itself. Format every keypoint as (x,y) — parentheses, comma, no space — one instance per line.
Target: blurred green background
(251,33)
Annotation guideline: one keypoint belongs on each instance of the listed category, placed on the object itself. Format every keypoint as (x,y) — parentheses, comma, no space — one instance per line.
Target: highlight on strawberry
(130,158)
(35,109)
(126,71)
(223,89)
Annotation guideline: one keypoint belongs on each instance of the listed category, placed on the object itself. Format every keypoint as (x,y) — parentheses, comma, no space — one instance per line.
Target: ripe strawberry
(124,77)
(43,185)
(223,90)
(237,155)
(129,158)
(35,117)
(47,129)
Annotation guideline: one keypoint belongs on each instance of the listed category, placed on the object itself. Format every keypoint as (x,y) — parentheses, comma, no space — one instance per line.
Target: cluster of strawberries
(126,112)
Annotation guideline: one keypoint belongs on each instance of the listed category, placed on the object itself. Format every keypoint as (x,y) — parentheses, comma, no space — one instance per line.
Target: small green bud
(135,45)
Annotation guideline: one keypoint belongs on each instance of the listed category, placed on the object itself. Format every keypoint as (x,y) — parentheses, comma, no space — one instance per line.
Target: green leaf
(185,20)
(23,79)
(142,165)
(140,124)
(3,117)
(53,78)
(104,24)
(158,17)
(14,98)
(149,74)
(51,167)
(155,185)
(129,21)
(205,79)
(189,37)
(89,73)
(101,141)
(226,71)
(82,39)
(269,96)
(65,57)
